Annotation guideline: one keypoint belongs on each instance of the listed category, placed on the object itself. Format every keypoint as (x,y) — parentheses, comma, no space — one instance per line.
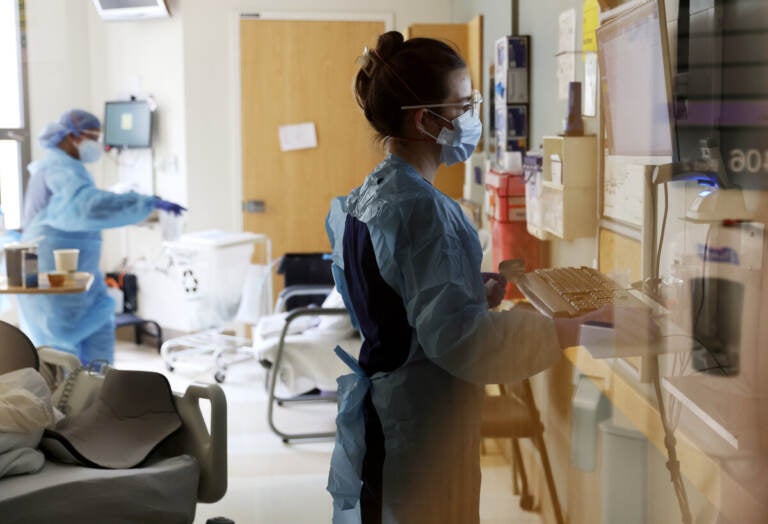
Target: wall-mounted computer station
(684,105)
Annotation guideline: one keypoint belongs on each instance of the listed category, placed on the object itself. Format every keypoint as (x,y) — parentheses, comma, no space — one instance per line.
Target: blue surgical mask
(458,144)
(89,151)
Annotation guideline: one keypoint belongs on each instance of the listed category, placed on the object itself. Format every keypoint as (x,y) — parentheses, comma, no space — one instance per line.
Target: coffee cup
(57,278)
(66,259)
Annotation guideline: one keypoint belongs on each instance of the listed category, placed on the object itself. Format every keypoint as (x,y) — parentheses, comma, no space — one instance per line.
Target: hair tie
(365,62)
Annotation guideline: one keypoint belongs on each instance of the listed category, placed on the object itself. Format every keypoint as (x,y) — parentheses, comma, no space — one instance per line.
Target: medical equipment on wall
(128,123)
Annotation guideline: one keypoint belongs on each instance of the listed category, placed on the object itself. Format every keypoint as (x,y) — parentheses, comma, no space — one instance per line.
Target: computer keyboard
(572,291)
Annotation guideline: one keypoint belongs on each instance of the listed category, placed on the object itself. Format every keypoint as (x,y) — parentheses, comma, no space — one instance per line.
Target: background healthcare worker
(64,209)
(407,261)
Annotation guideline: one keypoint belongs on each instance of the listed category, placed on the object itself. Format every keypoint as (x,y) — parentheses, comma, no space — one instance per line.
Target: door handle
(254,206)
(14,135)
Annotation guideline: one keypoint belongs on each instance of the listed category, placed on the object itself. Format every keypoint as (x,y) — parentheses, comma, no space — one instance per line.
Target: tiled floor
(274,483)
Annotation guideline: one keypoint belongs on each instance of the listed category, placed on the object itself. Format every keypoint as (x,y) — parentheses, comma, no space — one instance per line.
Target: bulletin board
(623,189)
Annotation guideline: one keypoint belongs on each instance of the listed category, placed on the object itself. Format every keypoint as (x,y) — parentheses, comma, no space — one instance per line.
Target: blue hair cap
(74,121)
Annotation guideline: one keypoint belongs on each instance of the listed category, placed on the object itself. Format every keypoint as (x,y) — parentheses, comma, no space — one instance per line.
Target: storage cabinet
(565,196)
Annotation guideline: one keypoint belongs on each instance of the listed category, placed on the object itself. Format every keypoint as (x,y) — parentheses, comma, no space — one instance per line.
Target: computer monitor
(128,124)
(635,83)
(706,104)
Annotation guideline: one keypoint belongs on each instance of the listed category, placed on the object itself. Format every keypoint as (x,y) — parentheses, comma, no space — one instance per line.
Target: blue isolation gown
(407,262)
(70,213)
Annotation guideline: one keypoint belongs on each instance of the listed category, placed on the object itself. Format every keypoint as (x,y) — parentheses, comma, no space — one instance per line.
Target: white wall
(58,61)
(497,22)
(75,59)
(142,58)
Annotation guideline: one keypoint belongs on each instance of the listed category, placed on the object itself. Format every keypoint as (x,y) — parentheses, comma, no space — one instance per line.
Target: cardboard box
(511,128)
(511,70)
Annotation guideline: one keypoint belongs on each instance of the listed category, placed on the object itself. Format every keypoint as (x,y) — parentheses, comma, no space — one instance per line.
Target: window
(14,126)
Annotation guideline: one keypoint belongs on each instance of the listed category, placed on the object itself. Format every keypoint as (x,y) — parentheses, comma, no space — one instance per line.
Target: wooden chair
(514,415)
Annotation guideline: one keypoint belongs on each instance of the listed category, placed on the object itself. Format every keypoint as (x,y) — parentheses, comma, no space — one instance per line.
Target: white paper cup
(66,259)
(171,226)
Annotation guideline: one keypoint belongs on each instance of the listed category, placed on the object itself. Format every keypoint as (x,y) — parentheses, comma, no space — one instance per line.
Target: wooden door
(468,38)
(295,72)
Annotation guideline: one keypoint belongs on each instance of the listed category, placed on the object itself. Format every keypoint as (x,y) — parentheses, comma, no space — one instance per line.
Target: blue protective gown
(407,262)
(71,212)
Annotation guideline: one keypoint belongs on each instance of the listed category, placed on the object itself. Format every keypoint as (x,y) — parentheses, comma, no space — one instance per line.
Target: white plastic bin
(204,281)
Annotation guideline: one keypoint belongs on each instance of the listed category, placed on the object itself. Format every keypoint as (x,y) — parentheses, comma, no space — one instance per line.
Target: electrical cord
(673,465)
(663,230)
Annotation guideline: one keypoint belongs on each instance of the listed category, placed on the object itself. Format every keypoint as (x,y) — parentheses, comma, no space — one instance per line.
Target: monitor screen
(127,124)
(635,82)
(131,9)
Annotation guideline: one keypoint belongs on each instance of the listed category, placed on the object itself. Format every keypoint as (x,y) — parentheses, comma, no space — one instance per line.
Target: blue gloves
(495,288)
(169,207)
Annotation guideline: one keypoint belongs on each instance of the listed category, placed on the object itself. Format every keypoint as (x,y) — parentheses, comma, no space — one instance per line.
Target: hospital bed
(296,345)
(304,363)
(188,467)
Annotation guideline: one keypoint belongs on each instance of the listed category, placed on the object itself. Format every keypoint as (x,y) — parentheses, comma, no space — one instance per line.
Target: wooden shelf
(78,284)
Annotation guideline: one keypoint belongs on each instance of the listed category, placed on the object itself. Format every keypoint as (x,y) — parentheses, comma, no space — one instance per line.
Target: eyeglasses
(473,106)
(91,134)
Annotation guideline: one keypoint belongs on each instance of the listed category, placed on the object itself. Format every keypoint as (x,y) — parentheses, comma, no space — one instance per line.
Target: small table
(79,283)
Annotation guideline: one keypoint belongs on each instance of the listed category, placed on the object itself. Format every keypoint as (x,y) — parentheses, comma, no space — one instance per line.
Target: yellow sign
(591,21)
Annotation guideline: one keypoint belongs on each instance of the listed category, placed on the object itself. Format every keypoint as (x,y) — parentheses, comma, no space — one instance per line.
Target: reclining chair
(188,467)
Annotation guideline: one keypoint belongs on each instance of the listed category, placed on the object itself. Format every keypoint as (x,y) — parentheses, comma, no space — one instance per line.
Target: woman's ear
(422,122)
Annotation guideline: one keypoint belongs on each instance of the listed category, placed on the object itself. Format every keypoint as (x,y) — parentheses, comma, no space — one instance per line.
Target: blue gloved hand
(169,207)
(495,288)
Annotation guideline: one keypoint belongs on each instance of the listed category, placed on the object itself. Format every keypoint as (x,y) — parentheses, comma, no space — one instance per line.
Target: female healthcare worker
(64,209)
(407,261)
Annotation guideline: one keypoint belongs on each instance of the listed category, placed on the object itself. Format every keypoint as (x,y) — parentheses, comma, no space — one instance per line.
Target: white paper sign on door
(297,136)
